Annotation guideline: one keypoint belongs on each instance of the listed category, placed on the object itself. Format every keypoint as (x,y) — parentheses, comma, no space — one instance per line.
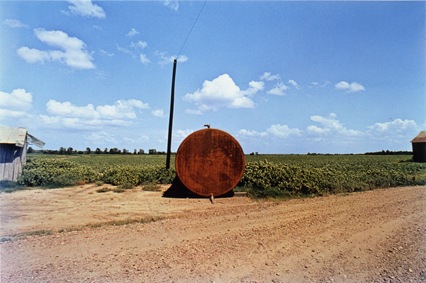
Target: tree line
(70,151)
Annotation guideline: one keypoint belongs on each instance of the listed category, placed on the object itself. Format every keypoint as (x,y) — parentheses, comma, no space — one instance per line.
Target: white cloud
(15,104)
(18,99)
(193,112)
(283,131)
(182,134)
(316,130)
(349,87)
(293,83)
(106,53)
(172,4)
(268,77)
(248,133)
(31,55)
(65,114)
(144,59)
(86,8)
(331,130)
(279,89)
(13,23)
(58,122)
(74,54)
(124,50)
(102,137)
(158,113)
(397,133)
(395,126)
(139,44)
(164,59)
(132,32)
(222,92)
(329,135)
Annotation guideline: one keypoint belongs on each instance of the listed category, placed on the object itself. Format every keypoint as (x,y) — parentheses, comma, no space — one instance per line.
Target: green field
(278,176)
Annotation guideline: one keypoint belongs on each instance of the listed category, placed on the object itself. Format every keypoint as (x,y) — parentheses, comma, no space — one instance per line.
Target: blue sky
(281,77)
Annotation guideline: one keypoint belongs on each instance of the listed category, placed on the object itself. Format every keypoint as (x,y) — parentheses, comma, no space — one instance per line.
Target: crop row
(274,176)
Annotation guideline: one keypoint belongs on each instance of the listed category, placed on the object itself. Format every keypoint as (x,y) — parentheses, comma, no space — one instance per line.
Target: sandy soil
(375,236)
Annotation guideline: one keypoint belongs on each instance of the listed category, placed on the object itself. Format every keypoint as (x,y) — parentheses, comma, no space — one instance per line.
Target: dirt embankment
(372,236)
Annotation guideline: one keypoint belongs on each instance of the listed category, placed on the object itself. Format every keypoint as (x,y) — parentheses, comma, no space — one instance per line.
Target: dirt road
(375,236)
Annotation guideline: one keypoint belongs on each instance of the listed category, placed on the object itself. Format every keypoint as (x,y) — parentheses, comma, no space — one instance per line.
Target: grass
(151,187)
(10,186)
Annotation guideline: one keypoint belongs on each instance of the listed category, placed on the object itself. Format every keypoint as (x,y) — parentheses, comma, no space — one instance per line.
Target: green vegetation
(292,175)
(277,176)
(9,186)
(60,171)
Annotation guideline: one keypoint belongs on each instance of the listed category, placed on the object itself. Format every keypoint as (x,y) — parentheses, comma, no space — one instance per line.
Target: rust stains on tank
(210,162)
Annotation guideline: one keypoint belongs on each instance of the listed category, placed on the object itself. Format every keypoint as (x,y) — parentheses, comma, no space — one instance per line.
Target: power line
(202,8)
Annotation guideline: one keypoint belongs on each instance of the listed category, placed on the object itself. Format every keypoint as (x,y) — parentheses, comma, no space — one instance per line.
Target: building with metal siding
(13,151)
(419,147)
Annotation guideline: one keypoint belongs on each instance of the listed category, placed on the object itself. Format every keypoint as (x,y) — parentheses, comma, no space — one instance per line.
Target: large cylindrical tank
(210,162)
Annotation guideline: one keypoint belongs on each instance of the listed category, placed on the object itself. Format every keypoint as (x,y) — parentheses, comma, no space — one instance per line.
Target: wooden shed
(13,151)
(419,147)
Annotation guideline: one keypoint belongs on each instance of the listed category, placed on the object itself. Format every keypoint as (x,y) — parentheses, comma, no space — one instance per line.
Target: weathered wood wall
(12,160)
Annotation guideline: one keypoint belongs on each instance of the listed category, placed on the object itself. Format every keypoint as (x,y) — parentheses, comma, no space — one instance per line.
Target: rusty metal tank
(210,162)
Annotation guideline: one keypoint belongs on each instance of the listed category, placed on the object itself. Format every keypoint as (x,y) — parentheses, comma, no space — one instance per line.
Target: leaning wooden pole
(172,102)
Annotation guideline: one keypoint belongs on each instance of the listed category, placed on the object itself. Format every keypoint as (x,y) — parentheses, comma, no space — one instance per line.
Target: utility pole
(172,102)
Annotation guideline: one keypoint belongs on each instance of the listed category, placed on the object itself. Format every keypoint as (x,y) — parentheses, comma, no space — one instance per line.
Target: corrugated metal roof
(421,137)
(15,136)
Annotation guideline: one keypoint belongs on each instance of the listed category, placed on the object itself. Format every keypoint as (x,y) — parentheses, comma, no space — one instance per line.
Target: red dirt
(374,236)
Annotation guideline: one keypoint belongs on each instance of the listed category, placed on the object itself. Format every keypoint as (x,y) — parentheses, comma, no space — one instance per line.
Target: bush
(151,187)
(267,179)
(136,176)
(55,172)
(103,190)
(125,186)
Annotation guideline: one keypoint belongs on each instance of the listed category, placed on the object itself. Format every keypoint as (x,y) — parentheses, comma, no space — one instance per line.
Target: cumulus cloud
(397,133)
(106,53)
(349,87)
(395,126)
(266,76)
(139,44)
(86,8)
(74,53)
(165,59)
(277,130)
(158,113)
(293,83)
(66,114)
(279,89)
(15,104)
(328,134)
(103,137)
(182,134)
(283,131)
(132,32)
(330,125)
(222,92)
(252,133)
(144,59)
(13,23)
(172,4)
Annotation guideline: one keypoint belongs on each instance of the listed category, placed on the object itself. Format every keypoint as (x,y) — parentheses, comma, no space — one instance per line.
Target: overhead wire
(190,31)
